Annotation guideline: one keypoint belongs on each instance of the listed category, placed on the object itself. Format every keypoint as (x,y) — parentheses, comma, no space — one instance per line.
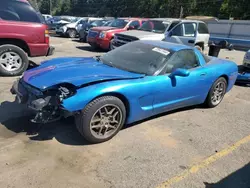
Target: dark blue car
(131,83)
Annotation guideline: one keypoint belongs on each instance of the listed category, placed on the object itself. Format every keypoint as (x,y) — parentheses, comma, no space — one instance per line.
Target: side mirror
(131,27)
(180,72)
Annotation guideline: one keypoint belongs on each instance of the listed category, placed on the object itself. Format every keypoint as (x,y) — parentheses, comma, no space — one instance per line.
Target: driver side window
(185,59)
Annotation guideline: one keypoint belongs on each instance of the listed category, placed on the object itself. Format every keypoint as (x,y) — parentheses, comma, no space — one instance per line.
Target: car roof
(175,19)
(166,45)
(134,18)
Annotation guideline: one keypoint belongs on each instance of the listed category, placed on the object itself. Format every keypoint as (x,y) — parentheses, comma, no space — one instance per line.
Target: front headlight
(64,28)
(102,35)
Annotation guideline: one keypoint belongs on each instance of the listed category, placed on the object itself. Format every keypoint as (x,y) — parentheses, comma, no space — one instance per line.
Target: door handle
(203,74)
(191,41)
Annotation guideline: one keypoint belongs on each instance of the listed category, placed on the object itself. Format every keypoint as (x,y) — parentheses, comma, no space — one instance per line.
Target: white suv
(188,32)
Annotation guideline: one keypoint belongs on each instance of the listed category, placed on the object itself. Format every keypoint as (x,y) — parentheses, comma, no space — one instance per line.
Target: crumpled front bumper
(24,96)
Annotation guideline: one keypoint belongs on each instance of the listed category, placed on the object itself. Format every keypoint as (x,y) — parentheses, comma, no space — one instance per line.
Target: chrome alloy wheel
(10,61)
(218,93)
(105,121)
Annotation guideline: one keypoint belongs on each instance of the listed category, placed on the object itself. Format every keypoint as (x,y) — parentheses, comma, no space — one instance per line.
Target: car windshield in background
(107,23)
(119,23)
(137,57)
(155,26)
(97,23)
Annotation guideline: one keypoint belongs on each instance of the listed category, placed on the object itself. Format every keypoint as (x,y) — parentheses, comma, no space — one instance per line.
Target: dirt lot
(192,147)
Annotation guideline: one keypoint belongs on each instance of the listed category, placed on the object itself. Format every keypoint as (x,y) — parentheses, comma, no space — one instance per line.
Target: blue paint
(146,95)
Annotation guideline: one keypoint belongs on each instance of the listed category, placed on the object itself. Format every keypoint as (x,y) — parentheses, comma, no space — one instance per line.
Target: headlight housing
(102,35)
(64,28)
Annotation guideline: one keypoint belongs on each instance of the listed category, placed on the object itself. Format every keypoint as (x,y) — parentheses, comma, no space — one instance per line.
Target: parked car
(188,32)
(128,84)
(72,29)
(56,22)
(23,33)
(244,70)
(101,37)
(97,23)
(47,17)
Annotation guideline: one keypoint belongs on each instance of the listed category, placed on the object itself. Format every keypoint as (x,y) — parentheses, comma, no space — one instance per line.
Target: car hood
(142,34)
(76,71)
(104,28)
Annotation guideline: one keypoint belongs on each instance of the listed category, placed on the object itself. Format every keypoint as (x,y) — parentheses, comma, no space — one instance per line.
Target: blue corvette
(131,83)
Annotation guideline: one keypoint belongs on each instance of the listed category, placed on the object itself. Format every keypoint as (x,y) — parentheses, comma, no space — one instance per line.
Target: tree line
(222,9)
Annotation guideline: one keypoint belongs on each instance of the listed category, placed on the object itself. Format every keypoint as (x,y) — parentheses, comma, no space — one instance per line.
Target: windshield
(119,23)
(107,23)
(137,57)
(155,26)
(97,23)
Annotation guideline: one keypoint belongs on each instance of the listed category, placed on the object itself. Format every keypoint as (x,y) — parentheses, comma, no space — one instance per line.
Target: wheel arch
(120,96)
(17,42)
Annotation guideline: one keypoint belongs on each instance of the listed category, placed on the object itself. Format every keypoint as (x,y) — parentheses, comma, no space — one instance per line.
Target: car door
(183,33)
(177,92)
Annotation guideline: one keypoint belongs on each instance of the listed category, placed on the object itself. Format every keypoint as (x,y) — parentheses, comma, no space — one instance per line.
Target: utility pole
(181,12)
(50,7)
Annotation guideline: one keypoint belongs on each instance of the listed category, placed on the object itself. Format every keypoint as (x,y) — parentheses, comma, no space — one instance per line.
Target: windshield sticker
(160,50)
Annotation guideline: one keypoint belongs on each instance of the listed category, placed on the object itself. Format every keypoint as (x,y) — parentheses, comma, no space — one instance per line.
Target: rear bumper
(51,51)
(40,50)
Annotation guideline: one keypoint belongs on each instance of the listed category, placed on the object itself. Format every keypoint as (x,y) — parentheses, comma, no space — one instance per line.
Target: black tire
(72,33)
(208,101)
(110,44)
(198,48)
(24,58)
(83,119)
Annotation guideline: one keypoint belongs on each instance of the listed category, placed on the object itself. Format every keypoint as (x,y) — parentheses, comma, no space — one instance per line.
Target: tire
(92,110)
(198,48)
(209,101)
(15,57)
(72,33)
(110,44)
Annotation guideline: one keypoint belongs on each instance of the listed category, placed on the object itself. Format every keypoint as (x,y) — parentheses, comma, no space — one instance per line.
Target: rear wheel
(216,93)
(101,119)
(13,60)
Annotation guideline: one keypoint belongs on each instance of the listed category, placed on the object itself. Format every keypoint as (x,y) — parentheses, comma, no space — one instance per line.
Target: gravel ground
(169,150)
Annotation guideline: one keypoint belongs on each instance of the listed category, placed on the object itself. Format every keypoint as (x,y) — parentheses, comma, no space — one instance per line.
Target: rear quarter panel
(218,67)
(29,32)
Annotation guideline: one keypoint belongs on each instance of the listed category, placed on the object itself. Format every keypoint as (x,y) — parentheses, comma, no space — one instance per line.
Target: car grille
(123,39)
(93,34)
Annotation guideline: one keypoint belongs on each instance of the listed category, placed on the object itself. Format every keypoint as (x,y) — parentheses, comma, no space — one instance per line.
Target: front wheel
(72,33)
(216,93)
(101,119)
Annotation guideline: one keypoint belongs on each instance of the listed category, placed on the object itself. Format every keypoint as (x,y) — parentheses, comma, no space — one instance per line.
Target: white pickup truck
(188,32)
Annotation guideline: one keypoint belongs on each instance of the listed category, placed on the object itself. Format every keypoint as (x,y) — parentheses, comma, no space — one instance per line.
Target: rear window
(19,11)
(202,28)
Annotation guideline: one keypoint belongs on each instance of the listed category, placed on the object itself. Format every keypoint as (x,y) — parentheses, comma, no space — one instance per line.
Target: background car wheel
(13,60)
(72,33)
(101,119)
(216,92)
(110,45)
(198,48)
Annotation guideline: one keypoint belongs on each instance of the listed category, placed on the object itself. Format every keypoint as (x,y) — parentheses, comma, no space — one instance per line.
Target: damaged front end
(45,104)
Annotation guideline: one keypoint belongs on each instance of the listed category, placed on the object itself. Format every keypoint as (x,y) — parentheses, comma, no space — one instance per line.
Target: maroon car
(23,33)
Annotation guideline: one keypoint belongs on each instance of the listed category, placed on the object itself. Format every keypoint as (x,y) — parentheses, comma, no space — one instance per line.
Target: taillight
(46,33)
